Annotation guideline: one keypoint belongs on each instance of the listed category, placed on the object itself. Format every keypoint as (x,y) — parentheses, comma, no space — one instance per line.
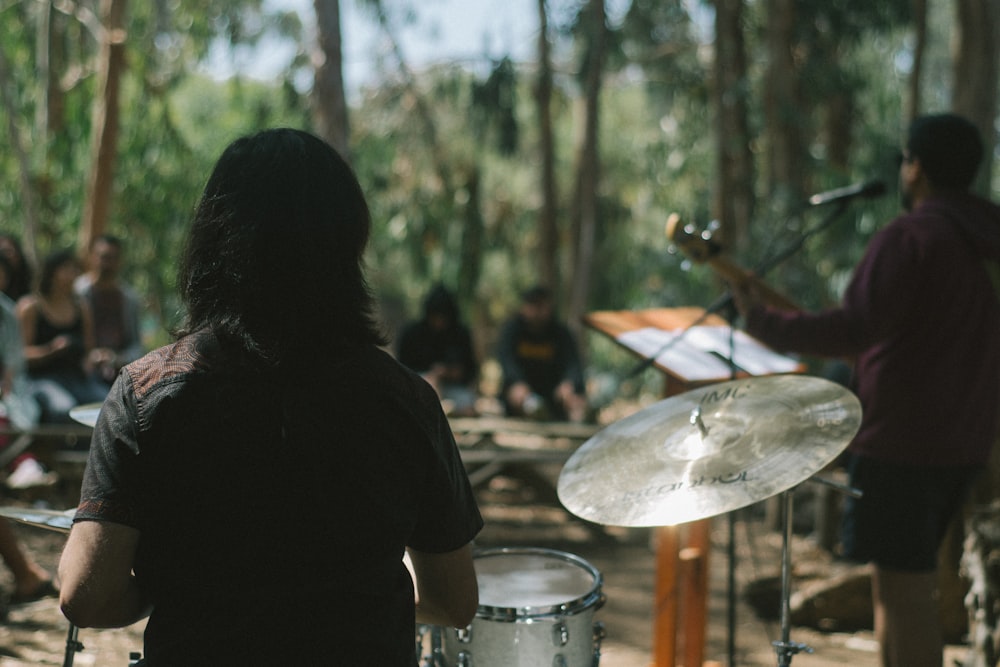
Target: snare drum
(536,609)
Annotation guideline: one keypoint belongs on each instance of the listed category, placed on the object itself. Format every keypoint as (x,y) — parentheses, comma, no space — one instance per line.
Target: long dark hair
(52,263)
(273,260)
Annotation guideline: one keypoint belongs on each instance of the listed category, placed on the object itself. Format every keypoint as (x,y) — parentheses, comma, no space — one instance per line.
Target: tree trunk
(329,99)
(104,139)
(912,102)
(17,143)
(548,223)
(586,198)
(734,200)
(782,104)
(976,68)
(470,263)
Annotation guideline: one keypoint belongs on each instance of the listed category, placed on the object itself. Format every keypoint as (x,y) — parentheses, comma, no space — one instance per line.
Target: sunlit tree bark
(586,198)
(783,109)
(734,198)
(329,99)
(104,136)
(548,223)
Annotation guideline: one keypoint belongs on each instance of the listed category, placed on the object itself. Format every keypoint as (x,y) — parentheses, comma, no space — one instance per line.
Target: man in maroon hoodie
(921,321)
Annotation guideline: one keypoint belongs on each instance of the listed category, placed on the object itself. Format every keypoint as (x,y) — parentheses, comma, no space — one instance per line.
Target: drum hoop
(526,614)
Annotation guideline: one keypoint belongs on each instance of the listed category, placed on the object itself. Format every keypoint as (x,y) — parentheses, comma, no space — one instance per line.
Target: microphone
(864,190)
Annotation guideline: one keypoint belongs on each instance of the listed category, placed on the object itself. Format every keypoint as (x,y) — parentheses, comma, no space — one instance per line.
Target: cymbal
(86,414)
(709,451)
(60,521)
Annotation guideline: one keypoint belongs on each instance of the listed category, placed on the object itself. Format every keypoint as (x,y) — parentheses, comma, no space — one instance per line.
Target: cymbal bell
(60,521)
(709,451)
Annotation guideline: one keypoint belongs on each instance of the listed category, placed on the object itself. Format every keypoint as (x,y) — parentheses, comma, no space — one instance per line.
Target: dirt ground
(524,513)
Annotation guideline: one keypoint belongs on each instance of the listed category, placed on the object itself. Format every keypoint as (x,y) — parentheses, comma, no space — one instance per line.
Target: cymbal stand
(73,645)
(786,648)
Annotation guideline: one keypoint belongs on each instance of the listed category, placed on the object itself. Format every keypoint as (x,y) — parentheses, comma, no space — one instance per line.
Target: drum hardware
(59,521)
(710,451)
(73,645)
(86,414)
(535,610)
(436,656)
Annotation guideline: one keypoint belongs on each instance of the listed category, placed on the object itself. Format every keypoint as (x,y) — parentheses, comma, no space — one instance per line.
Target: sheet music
(702,352)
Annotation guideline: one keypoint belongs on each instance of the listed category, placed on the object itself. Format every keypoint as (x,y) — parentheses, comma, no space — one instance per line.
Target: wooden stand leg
(694,586)
(681,601)
(665,600)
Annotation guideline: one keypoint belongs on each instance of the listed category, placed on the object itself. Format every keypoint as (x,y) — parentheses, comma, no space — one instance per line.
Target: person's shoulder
(27,305)
(381,370)
(183,357)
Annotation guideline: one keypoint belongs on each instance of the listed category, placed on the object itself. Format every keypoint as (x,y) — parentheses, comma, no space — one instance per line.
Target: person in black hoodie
(439,347)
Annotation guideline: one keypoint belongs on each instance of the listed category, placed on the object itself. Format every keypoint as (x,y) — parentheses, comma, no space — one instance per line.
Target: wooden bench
(490,444)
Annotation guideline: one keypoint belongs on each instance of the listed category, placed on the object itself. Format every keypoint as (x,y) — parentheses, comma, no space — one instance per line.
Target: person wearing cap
(921,321)
(540,363)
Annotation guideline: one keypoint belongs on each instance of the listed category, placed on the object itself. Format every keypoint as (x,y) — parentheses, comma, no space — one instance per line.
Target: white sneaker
(30,473)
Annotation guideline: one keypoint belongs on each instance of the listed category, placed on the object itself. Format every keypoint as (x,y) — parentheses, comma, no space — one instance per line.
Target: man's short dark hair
(536,294)
(949,149)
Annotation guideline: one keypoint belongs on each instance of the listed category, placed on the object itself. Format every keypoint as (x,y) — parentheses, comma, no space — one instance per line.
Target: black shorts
(904,512)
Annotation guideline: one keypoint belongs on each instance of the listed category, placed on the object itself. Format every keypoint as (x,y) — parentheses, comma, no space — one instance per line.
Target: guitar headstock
(697,244)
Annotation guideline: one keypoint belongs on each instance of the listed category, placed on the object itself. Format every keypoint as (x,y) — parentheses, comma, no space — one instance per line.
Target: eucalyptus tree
(329,97)
(53,97)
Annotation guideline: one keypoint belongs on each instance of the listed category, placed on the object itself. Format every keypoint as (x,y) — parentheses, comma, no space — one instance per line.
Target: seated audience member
(438,346)
(115,309)
(540,362)
(18,409)
(58,335)
(19,280)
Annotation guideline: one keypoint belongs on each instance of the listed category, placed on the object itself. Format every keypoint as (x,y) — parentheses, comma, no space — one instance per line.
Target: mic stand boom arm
(725,299)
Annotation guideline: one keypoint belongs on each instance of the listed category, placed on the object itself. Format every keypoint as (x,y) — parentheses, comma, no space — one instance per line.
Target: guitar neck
(702,249)
(733,273)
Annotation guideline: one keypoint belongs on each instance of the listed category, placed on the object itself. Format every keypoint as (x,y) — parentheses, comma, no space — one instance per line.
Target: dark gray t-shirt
(274,511)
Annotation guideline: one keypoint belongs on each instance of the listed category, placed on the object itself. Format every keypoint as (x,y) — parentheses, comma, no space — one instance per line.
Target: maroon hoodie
(921,318)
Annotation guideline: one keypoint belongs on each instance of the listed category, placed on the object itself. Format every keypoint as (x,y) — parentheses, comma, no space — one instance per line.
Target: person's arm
(97,587)
(87,324)
(446,586)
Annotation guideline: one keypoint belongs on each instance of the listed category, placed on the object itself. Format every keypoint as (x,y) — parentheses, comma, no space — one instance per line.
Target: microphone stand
(724,301)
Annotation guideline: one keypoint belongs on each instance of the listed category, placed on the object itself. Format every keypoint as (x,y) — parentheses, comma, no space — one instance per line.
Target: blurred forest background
(498,172)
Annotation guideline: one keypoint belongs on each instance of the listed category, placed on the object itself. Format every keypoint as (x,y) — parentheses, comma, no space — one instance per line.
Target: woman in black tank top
(58,334)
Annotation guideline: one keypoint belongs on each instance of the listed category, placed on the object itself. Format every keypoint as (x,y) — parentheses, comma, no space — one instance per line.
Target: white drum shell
(536,605)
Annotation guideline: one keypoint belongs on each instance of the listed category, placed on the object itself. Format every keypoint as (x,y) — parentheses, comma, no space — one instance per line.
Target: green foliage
(423,154)
(173,125)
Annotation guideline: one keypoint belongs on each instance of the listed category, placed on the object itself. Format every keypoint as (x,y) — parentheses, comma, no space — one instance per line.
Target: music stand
(692,348)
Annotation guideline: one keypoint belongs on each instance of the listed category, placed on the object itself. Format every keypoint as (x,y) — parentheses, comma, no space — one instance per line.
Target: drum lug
(560,634)
(599,635)
(559,661)
(464,659)
(464,635)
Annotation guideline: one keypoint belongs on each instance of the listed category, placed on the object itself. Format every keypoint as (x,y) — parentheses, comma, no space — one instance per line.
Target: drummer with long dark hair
(253,486)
